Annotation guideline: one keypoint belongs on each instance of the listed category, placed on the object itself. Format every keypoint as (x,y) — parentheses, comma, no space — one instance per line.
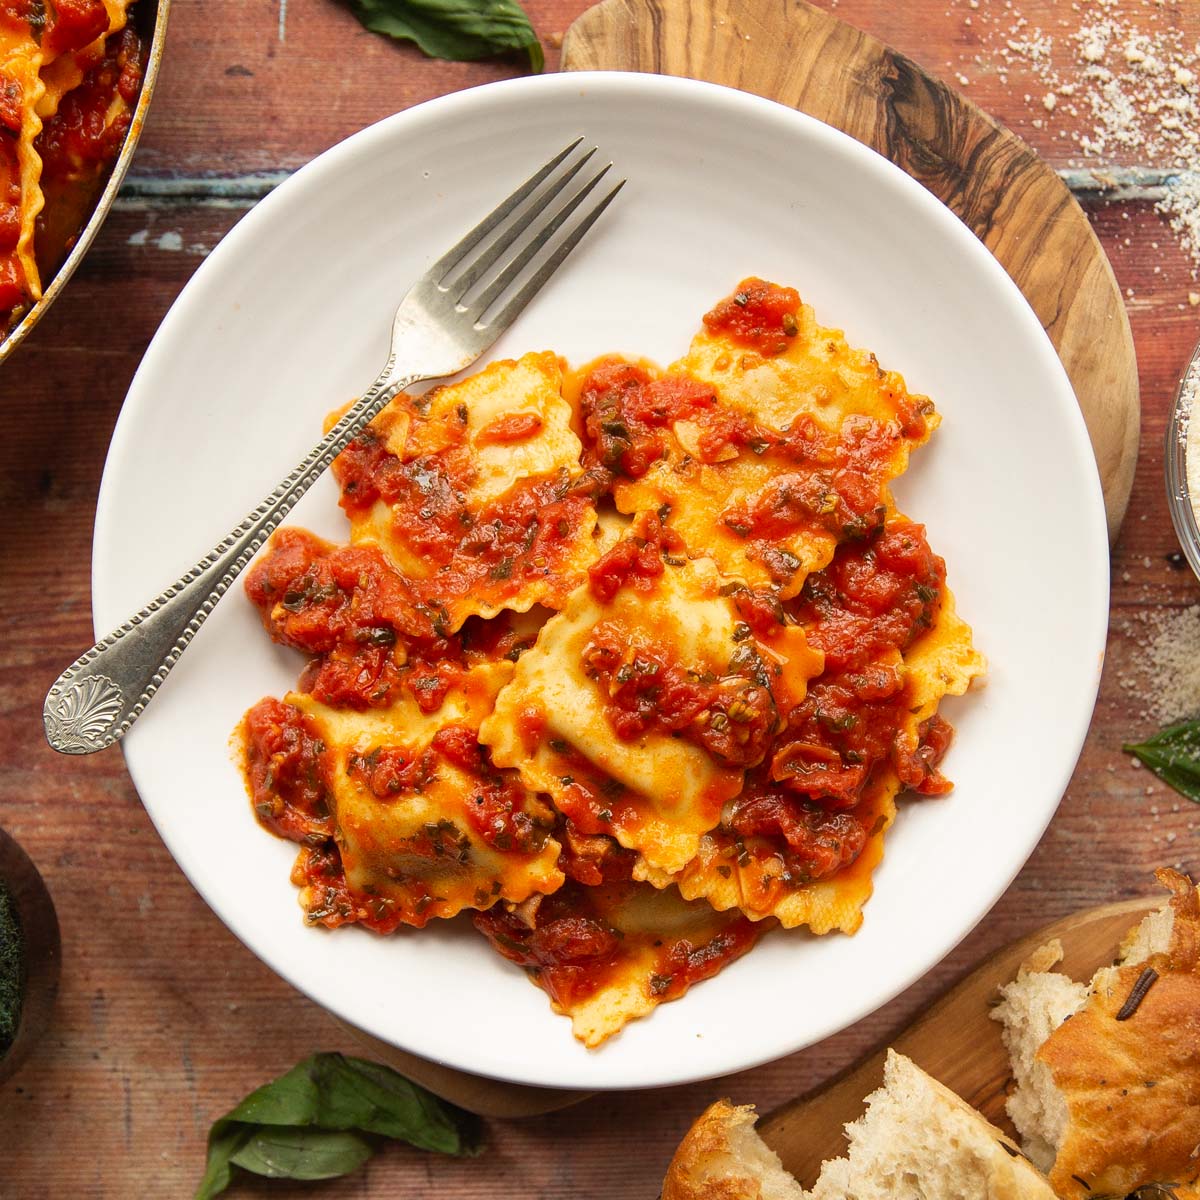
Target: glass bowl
(1179,500)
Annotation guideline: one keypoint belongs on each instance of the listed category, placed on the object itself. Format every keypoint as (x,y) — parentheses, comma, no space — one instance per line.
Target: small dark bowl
(41,950)
(150,19)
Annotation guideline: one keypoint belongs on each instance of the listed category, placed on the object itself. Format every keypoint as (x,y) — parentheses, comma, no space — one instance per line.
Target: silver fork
(446,320)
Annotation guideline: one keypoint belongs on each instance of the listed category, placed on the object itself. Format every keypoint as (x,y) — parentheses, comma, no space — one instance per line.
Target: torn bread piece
(1108,1096)
(722,1158)
(916,1141)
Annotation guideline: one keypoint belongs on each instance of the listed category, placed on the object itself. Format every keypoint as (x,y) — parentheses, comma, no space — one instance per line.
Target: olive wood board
(955,1041)
(791,52)
(798,55)
(1014,202)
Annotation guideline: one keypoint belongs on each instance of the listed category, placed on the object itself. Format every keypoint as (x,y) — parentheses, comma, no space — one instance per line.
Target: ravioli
(475,491)
(634,664)
(767,444)
(424,825)
(46,54)
(21,87)
(609,954)
(802,840)
(643,701)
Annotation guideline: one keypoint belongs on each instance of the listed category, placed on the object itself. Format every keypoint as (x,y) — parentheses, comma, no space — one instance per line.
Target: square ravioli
(412,821)
(643,702)
(802,839)
(608,954)
(475,492)
(770,442)
(635,664)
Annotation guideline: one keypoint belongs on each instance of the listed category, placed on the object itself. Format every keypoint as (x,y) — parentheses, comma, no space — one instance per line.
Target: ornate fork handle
(94,702)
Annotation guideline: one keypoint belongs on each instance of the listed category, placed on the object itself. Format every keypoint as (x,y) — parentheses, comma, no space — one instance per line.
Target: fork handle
(96,700)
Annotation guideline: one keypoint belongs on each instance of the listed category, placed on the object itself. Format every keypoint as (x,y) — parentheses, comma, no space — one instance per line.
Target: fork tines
(525,238)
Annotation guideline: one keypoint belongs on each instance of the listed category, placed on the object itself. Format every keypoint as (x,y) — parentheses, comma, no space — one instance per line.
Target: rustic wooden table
(164,1020)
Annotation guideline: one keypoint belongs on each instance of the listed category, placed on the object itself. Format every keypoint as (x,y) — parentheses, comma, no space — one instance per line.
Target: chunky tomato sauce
(816,843)
(760,316)
(69,25)
(863,611)
(528,533)
(571,946)
(627,409)
(287,769)
(77,145)
(866,608)
(731,716)
(86,133)
(370,636)
(637,559)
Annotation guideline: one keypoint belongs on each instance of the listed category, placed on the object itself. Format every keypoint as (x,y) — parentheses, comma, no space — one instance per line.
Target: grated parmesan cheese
(1165,676)
(1129,75)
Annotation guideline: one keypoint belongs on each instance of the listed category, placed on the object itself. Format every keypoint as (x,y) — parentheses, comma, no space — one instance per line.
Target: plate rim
(443,108)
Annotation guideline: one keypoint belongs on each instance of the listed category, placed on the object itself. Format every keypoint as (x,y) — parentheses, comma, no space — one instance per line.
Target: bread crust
(1132,1086)
(708,1165)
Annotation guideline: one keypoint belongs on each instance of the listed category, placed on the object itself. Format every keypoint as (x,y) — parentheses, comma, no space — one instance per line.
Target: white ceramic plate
(290,317)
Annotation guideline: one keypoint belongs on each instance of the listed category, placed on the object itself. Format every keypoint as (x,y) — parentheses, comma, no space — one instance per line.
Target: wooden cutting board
(955,1041)
(788,51)
(802,57)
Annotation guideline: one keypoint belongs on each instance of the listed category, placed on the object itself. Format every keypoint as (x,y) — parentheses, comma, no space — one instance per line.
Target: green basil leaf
(281,1153)
(1174,756)
(461,30)
(224,1142)
(357,1094)
(320,1119)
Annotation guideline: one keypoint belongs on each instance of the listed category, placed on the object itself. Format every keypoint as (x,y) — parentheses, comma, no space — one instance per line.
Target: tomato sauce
(637,559)
(814,842)
(528,533)
(287,767)
(77,145)
(627,411)
(329,901)
(594,802)
(760,316)
(513,427)
(832,487)
(864,610)
(86,133)
(731,716)
(571,946)
(592,859)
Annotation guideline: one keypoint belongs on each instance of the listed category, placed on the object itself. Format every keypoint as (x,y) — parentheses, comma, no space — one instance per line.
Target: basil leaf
(1174,756)
(281,1153)
(323,1117)
(461,30)
(356,1094)
(224,1142)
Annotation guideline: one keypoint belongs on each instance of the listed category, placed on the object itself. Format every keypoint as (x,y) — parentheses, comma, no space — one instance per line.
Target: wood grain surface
(164,1020)
(996,184)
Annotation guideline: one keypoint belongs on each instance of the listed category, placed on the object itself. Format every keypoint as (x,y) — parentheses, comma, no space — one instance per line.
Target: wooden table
(164,1020)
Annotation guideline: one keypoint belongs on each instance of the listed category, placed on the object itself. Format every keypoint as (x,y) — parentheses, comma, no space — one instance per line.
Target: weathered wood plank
(164,1019)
